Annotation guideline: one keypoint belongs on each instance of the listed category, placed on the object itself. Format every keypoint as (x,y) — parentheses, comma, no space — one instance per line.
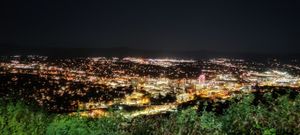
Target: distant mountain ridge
(126,51)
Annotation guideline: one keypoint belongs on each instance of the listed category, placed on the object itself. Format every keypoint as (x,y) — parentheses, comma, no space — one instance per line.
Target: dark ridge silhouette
(10,49)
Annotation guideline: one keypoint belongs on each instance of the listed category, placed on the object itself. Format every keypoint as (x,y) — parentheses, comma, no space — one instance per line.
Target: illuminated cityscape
(146,67)
(136,86)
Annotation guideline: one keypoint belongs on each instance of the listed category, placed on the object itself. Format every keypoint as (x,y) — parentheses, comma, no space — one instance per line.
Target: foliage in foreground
(274,116)
(75,125)
(278,115)
(19,119)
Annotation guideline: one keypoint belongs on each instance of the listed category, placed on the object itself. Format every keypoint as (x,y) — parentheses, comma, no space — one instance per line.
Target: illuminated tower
(201,79)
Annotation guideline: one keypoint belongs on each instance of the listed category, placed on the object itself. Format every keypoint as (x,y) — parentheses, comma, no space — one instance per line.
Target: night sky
(227,26)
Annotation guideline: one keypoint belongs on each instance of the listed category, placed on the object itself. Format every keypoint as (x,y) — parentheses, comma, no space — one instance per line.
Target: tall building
(201,79)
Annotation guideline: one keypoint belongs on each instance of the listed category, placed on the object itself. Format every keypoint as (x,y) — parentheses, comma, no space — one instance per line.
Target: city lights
(94,85)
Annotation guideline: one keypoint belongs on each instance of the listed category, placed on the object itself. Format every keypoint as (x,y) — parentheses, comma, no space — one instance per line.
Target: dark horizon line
(14,47)
(137,52)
